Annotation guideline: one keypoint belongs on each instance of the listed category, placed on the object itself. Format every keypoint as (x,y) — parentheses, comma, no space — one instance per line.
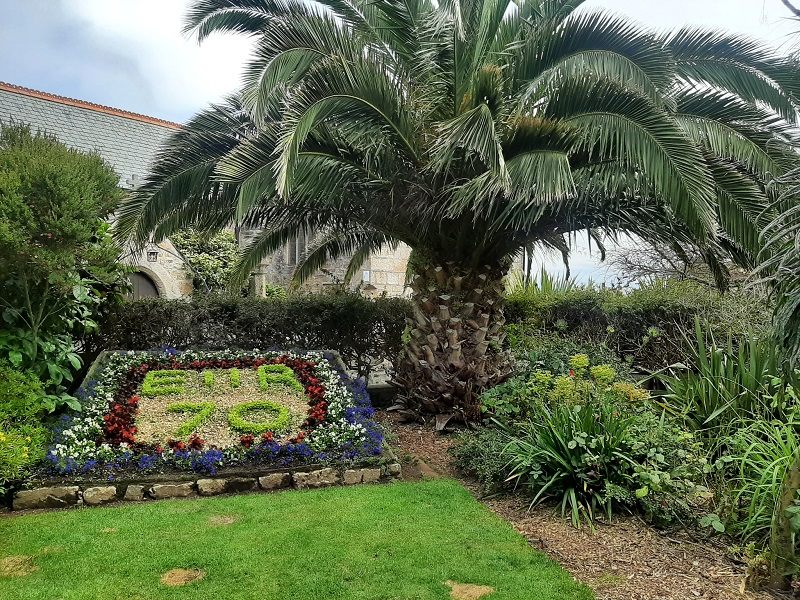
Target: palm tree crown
(470,130)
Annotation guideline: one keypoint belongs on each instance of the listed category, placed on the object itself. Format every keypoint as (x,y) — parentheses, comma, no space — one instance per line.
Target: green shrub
(480,454)
(167,382)
(728,384)
(59,268)
(362,330)
(589,441)
(646,326)
(201,413)
(23,437)
(208,379)
(209,259)
(279,423)
(278,375)
(534,349)
(21,447)
(21,397)
(235,378)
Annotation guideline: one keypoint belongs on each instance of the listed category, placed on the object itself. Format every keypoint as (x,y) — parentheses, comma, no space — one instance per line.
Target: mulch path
(625,560)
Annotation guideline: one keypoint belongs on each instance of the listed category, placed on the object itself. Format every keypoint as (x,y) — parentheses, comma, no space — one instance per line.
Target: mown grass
(398,541)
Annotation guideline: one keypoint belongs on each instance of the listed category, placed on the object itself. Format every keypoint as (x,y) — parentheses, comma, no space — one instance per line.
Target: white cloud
(186,76)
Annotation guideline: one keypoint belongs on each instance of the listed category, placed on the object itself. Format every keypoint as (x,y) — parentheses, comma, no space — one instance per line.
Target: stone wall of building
(165,267)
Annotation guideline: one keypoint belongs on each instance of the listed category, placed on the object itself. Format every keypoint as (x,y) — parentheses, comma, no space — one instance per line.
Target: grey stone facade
(130,142)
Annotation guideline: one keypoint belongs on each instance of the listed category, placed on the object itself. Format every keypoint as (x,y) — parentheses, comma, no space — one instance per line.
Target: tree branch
(791,7)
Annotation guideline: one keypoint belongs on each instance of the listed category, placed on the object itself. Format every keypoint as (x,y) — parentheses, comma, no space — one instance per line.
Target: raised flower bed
(174,416)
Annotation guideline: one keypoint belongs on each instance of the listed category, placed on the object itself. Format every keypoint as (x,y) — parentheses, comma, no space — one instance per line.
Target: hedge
(364,331)
(652,326)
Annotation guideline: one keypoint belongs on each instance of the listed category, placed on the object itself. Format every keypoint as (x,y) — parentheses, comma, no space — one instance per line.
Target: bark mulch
(625,560)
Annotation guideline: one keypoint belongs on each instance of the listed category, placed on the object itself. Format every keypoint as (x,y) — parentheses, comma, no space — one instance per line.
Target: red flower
(196,442)
(247,440)
(267,437)
(572,373)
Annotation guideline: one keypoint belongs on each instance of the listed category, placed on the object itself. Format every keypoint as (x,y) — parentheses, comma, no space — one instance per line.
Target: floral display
(102,437)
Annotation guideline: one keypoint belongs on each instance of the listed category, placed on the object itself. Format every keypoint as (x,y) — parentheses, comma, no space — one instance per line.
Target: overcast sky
(131,54)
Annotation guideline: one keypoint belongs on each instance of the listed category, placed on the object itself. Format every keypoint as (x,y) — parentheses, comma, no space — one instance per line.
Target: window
(296,249)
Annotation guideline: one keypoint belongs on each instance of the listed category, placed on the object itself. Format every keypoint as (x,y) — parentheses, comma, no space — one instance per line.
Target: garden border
(94,492)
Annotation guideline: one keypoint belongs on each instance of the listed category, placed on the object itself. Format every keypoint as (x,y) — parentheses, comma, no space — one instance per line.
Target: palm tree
(472,130)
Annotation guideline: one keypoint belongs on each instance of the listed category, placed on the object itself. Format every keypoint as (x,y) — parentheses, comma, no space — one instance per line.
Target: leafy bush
(751,474)
(590,441)
(21,397)
(58,263)
(646,326)
(23,438)
(480,454)
(363,331)
(209,259)
(535,349)
(729,383)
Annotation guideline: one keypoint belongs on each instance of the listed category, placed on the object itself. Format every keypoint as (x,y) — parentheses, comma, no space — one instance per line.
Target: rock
(395,470)
(94,496)
(172,490)
(353,476)
(275,481)
(211,487)
(240,484)
(134,493)
(316,479)
(52,497)
(371,475)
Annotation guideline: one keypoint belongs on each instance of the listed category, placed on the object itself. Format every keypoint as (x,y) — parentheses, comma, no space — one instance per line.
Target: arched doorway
(142,286)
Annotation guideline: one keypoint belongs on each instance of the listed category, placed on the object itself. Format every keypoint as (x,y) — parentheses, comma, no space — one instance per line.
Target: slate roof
(128,141)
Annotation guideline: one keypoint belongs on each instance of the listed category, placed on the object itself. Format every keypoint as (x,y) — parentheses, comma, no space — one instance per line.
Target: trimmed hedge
(652,327)
(362,330)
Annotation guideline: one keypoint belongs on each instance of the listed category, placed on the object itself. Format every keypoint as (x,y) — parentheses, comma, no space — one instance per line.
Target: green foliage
(23,437)
(278,423)
(235,378)
(591,442)
(167,382)
(728,384)
(21,448)
(58,264)
(534,348)
(364,331)
(21,397)
(281,375)
(480,454)
(208,379)
(210,259)
(650,327)
(200,411)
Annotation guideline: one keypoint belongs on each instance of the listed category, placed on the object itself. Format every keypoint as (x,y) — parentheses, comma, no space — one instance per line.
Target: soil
(17,566)
(624,560)
(218,520)
(468,591)
(156,424)
(179,577)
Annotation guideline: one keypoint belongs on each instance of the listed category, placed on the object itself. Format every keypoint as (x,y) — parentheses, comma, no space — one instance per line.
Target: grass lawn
(397,541)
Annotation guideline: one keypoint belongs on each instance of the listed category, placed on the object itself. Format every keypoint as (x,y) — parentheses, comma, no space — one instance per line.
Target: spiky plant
(471,130)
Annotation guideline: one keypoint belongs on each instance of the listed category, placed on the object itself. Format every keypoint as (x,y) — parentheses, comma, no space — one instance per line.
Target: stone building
(129,142)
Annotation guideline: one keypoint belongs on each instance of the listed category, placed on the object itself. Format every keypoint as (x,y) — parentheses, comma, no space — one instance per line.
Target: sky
(131,54)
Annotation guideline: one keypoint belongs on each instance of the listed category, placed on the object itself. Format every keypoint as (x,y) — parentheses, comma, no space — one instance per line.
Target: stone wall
(98,493)
(164,265)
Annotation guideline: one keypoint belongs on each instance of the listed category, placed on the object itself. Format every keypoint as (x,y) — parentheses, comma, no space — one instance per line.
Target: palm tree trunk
(454,340)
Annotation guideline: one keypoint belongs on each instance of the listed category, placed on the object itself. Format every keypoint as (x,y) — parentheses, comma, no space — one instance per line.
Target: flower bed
(292,409)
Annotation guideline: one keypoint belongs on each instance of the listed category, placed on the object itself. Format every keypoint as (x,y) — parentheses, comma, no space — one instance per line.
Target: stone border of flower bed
(97,494)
